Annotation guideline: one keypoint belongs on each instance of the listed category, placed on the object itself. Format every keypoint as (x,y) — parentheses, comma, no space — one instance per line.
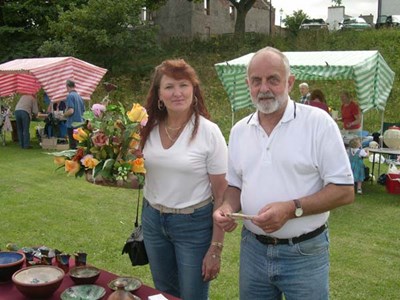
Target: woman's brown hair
(177,69)
(317,94)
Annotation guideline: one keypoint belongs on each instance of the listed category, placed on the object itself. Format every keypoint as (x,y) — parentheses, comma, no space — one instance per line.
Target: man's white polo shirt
(303,153)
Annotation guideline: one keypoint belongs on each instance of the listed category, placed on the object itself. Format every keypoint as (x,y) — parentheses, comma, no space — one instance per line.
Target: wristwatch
(299,210)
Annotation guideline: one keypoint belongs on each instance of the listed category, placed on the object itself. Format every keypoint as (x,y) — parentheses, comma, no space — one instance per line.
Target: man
(305,94)
(26,108)
(287,169)
(73,112)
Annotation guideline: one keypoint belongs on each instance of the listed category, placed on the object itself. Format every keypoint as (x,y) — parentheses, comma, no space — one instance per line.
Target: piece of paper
(157,297)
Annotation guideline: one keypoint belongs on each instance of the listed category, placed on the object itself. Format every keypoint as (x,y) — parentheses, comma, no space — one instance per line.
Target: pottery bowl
(38,281)
(84,274)
(83,292)
(10,262)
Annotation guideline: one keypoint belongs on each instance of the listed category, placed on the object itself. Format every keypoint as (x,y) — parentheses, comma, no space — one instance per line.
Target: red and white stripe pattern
(28,75)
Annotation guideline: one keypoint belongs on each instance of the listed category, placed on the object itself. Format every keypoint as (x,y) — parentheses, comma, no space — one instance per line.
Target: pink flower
(98,110)
(99,139)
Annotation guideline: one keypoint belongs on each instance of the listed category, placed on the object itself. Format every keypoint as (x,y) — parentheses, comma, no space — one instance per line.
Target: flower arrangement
(108,146)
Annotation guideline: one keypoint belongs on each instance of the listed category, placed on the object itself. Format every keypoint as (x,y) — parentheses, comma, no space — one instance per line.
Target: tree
(242,7)
(24,25)
(105,32)
(337,2)
(294,21)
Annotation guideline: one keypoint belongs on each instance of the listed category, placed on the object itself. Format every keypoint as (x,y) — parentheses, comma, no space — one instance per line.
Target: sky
(319,8)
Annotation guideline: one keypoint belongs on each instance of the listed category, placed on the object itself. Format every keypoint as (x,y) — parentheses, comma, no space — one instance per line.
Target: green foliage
(105,32)
(294,21)
(24,25)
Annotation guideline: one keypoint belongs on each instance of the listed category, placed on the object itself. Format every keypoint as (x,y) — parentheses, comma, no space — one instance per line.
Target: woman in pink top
(317,99)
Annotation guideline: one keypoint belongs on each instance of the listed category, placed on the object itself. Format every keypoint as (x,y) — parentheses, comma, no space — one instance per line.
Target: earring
(160,104)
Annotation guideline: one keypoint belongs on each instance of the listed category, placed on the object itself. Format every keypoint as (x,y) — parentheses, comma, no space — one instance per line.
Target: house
(191,19)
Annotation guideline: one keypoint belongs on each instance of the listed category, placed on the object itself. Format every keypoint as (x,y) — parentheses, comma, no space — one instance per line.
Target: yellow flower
(72,167)
(89,162)
(59,160)
(138,114)
(80,135)
(138,166)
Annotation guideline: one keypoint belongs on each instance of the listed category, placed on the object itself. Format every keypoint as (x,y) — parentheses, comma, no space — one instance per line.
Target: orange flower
(89,162)
(80,135)
(59,160)
(72,167)
(138,166)
(135,141)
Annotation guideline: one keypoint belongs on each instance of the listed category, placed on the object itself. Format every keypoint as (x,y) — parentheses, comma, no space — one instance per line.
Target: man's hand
(273,216)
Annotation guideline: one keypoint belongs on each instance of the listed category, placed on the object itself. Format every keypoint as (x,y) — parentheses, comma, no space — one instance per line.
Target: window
(207,7)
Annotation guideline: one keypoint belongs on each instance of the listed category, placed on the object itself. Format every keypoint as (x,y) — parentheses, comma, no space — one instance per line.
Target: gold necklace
(169,137)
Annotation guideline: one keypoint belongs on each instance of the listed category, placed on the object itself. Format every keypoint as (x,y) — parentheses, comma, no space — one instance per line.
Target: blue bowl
(10,262)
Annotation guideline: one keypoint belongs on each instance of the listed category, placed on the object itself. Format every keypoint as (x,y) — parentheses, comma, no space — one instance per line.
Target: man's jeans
(176,245)
(23,122)
(299,271)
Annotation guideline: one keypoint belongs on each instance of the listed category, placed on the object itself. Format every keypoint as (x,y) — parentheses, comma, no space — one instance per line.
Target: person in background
(25,110)
(186,163)
(356,155)
(286,194)
(317,99)
(351,114)
(305,94)
(73,112)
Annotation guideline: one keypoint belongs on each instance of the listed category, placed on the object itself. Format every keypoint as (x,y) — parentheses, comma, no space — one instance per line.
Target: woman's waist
(189,209)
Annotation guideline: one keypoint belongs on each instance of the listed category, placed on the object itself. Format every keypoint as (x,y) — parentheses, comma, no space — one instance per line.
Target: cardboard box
(393,183)
(61,147)
(49,143)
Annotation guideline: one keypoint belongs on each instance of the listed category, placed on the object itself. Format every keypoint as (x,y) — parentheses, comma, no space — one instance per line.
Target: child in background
(356,155)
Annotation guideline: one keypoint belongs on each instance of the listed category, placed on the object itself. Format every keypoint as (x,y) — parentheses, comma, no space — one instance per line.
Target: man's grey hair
(274,50)
(303,84)
(70,83)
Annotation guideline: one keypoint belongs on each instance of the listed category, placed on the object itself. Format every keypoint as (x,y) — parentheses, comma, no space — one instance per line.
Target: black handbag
(134,245)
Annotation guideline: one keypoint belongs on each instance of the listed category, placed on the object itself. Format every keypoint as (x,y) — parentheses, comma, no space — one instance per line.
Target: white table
(381,151)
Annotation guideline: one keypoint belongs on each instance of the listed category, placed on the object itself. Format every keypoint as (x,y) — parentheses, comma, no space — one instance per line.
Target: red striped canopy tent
(28,75)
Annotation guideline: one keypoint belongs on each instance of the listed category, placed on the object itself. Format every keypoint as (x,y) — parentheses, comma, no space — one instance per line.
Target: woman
(25,110)
(351,114)
(186,162)
(317,99)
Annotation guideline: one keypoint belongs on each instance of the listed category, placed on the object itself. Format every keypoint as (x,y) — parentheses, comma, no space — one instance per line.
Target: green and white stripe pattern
(372,76)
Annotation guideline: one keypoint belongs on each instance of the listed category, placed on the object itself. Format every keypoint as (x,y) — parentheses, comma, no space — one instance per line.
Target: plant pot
(130,183)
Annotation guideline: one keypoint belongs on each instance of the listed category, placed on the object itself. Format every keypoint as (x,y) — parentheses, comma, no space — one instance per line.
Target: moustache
(265,95)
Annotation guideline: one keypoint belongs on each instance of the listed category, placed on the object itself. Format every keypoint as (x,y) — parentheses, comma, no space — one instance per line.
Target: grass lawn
(41,206)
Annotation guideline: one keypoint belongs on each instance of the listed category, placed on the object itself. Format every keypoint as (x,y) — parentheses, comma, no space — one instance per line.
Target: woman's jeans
(23,122)
(299,271)
(176,245)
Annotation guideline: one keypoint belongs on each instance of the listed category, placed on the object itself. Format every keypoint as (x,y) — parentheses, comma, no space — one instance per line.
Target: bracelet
(217,244)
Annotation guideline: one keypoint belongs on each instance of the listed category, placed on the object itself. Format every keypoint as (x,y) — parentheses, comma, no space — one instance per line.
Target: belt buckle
(274,241)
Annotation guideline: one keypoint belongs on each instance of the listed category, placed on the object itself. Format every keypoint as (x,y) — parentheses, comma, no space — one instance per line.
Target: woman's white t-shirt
(178,177)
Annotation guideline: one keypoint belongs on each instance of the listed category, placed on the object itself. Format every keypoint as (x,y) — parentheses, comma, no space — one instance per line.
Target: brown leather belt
(185,211)
(268,240)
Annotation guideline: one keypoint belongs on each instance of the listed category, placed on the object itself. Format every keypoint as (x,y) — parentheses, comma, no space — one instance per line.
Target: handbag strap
(137,209)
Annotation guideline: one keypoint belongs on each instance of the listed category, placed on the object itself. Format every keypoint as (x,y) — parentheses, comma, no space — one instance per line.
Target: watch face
(298,212)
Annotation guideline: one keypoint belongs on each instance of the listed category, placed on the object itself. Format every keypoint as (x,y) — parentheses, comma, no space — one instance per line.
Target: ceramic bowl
(84,274)
(83,292)
(38,281)
(10,262)
(131,283)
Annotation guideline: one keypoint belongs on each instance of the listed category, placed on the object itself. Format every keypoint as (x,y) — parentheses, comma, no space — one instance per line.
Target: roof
(30,74)
(372,77)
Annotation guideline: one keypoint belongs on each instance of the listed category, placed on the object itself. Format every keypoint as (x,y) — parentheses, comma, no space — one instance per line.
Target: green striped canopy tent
(372,76)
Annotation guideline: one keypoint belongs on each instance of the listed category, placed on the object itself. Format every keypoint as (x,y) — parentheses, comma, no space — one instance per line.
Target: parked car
(314,24)
(388,21)
(354,24)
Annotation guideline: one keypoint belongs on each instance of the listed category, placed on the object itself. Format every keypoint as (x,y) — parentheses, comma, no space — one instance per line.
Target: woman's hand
(211,263)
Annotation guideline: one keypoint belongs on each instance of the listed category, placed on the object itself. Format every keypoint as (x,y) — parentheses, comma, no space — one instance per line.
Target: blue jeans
(298,271)
(23,122)
(176,245)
